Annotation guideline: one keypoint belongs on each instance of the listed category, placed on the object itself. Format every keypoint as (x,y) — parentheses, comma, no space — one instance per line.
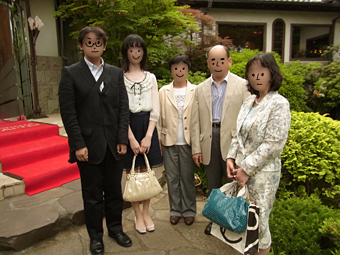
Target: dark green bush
(297,84)
(331,230)
(327,96)
(294,225)
(311,158)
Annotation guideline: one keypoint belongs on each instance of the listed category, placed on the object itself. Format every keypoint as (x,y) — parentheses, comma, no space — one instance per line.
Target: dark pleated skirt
(139,123)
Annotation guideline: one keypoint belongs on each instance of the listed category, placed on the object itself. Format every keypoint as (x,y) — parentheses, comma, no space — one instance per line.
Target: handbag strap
(237,189)
(147,163)
(132,171)
(93,91)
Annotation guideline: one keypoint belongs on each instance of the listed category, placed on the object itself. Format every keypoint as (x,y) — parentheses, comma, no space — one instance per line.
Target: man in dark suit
(97,134)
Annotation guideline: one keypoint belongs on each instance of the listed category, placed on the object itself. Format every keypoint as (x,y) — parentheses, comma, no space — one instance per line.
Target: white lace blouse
(143,95)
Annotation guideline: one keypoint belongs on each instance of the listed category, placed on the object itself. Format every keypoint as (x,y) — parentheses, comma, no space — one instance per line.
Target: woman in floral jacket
(263,124)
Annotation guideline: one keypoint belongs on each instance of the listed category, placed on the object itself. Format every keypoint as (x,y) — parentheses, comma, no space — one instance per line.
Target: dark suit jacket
(105,120)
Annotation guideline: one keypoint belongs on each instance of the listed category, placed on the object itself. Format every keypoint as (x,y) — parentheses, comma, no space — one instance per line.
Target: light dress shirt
(143,95)
(217,98)
(96,71)
(180,99)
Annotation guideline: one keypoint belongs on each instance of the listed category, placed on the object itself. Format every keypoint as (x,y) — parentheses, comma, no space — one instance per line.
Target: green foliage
(327,99)
(203,40)
(195,78)
(331,230)
(158,22)
(311,162)
(296,75)
(294,226)
(201,172)
(330,51)
(240,60)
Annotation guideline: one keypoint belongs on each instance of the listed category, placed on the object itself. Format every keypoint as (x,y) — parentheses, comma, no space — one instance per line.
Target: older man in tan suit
(216,105)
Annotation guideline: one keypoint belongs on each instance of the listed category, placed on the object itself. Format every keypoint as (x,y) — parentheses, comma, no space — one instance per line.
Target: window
(309,41)
(278,37)
(244,35)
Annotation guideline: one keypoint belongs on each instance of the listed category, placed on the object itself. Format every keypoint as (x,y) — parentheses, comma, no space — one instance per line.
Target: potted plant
(198,181)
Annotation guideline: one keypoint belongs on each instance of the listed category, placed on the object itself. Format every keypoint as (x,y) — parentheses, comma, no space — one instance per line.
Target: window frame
(291,42)
(264,24)
(283,37)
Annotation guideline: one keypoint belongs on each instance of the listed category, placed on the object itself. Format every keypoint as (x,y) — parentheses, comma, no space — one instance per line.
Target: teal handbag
(226,210)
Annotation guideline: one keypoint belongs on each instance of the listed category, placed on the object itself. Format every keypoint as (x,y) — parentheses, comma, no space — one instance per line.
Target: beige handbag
(141,186)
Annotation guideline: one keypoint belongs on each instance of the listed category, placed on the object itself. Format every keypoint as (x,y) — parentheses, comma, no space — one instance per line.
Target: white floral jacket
(260,149)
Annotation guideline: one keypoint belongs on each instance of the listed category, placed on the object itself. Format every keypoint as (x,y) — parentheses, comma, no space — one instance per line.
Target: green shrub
(311,162)
(297,84)
(294,225)
(327,98)
(195,78)
(331,230)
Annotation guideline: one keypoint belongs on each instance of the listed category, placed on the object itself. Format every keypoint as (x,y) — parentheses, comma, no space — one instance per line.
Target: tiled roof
(287,5)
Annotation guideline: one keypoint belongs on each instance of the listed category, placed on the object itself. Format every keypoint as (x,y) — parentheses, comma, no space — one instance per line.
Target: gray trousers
(180,168)
(217,167)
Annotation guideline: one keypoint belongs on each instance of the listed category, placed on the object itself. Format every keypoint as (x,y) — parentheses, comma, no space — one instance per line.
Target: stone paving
(165,240)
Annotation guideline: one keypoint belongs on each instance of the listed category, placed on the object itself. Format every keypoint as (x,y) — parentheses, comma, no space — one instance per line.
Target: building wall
(268,17)
(47,42)
(48,77)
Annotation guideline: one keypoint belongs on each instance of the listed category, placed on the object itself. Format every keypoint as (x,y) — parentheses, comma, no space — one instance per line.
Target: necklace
(256,101)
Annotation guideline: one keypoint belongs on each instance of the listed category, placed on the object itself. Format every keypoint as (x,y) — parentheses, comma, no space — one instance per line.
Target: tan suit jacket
(201,119)
(168,121)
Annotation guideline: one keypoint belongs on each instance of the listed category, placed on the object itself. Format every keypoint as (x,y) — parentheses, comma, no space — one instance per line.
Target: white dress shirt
(96,71)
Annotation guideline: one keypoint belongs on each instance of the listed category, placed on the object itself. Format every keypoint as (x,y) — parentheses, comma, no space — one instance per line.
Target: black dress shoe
(121,238)
(96,247)
(208,229)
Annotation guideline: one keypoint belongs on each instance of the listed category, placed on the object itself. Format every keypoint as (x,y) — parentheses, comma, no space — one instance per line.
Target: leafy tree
(158,22)
(203,39)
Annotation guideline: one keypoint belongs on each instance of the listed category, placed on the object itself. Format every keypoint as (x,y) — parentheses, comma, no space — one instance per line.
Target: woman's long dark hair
(134,41)
(266,60)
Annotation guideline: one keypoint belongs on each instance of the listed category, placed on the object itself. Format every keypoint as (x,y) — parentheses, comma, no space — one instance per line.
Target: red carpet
(36,153)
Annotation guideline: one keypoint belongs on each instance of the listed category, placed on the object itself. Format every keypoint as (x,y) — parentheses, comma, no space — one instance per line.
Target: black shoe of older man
(208,229)
(121,238)
(96,247)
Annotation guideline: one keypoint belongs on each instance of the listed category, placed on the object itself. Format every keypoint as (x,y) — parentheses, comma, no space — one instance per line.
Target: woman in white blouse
(143,96)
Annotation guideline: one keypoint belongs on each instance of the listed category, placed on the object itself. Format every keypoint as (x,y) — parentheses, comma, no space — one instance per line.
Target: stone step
(53,119)
(26,220)
(10,187)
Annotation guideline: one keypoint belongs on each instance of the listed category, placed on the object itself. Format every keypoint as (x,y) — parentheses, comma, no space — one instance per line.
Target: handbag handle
(132,171)
(236,190)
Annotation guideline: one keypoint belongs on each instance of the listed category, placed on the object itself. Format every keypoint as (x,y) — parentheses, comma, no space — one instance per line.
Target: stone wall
(48,76)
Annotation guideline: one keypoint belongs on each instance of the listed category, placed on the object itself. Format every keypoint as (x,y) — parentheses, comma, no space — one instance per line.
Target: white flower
(31,23)
(38,23)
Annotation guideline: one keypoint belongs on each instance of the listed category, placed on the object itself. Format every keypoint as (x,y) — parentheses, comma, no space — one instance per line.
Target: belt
(216,124)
